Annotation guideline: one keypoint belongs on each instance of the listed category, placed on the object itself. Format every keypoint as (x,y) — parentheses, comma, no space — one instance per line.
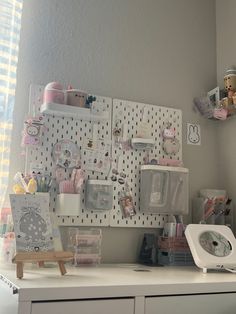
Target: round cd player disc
(215,243)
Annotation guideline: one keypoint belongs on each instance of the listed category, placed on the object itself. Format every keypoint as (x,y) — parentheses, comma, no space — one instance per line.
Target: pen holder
(68,204)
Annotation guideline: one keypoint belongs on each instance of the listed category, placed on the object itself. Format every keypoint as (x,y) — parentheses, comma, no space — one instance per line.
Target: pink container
(54,93)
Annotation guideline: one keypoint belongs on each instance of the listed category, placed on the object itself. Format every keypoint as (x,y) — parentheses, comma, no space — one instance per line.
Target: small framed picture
(32,223)
(214,96)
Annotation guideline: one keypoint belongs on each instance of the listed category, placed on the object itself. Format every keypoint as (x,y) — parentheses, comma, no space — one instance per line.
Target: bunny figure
(193,134)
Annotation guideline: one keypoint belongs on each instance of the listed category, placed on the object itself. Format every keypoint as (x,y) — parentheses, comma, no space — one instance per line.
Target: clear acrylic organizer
(86,245)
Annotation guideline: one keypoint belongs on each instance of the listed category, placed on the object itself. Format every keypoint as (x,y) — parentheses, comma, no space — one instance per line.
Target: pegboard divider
(126,112)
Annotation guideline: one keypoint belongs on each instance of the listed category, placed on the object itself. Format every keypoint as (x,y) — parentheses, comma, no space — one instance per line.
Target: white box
(164,190)
(68,204)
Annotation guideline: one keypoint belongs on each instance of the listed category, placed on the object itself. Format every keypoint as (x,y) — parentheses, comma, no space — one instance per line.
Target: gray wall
(226,57)
(154,51)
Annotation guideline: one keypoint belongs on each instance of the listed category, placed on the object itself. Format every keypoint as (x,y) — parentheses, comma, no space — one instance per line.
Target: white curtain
(10,24)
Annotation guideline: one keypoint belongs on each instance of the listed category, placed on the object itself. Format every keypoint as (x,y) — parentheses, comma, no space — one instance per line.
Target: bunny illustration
(193,134)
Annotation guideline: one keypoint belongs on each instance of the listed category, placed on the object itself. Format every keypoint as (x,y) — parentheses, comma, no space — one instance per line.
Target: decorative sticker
(193,134)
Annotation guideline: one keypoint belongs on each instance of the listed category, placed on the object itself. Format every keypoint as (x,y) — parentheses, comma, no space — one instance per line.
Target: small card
(96,155)
(32,224)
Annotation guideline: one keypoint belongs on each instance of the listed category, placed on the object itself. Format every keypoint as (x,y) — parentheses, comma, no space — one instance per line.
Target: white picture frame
(214,96)
(193,134)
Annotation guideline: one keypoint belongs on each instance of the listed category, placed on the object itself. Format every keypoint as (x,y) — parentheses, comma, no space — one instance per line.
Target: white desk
(117,289)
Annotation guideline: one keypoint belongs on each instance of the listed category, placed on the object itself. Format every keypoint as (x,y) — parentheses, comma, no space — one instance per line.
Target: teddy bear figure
(229,102)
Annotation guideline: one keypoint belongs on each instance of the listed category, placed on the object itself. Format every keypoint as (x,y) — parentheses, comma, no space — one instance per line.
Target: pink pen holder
(54,93)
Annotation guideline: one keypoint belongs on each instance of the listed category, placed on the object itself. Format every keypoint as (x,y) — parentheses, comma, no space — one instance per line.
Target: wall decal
(193,134)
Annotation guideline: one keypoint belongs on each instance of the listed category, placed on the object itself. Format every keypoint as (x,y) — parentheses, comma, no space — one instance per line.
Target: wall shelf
(78,113)
(142,143)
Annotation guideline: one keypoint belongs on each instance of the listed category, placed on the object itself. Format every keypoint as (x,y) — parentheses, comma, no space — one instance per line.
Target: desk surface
(118,280)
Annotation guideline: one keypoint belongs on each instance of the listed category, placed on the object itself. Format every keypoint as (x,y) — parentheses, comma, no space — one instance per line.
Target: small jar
(54,93)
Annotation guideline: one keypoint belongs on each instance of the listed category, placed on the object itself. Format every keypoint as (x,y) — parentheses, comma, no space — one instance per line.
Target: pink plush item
(169,133)
(220,114)
(170,162)
(75,97)
(67,187)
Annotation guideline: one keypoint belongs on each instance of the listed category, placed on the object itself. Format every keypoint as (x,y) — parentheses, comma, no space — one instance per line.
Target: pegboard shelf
(142,143)
(59,110)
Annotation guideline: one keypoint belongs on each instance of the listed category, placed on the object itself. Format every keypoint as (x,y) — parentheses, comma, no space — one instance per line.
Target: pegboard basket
(68,204)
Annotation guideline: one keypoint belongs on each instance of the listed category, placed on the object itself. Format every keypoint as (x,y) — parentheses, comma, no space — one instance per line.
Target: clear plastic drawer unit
(164,190)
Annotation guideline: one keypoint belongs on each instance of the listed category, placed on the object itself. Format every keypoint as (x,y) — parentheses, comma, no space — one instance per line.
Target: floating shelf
(142,143)
(78,113)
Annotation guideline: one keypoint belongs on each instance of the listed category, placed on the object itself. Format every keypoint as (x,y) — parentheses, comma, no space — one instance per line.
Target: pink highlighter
(67,187)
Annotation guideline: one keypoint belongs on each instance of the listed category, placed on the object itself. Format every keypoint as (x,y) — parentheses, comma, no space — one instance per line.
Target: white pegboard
(131,114)
(59,128)
(125,112)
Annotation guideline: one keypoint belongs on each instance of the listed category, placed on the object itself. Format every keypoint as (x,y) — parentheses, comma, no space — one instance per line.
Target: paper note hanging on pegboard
(193,134)
(96,155)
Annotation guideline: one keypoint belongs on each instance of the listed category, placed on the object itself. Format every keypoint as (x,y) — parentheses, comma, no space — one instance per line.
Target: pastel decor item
(18,189)
(193,134)
(32,186)
(54,93)
(76,98)
(234,99)
(20,184)
(230,81)
(171,146)
(230,88)
(204,106)
(170,162)
(31,134)
(220,114)
(66,154)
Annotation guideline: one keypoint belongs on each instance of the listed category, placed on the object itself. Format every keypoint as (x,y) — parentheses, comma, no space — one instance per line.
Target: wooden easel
(40,258)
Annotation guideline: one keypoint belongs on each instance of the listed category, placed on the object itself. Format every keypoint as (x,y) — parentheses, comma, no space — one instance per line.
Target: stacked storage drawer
(174,251)
(86,245)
